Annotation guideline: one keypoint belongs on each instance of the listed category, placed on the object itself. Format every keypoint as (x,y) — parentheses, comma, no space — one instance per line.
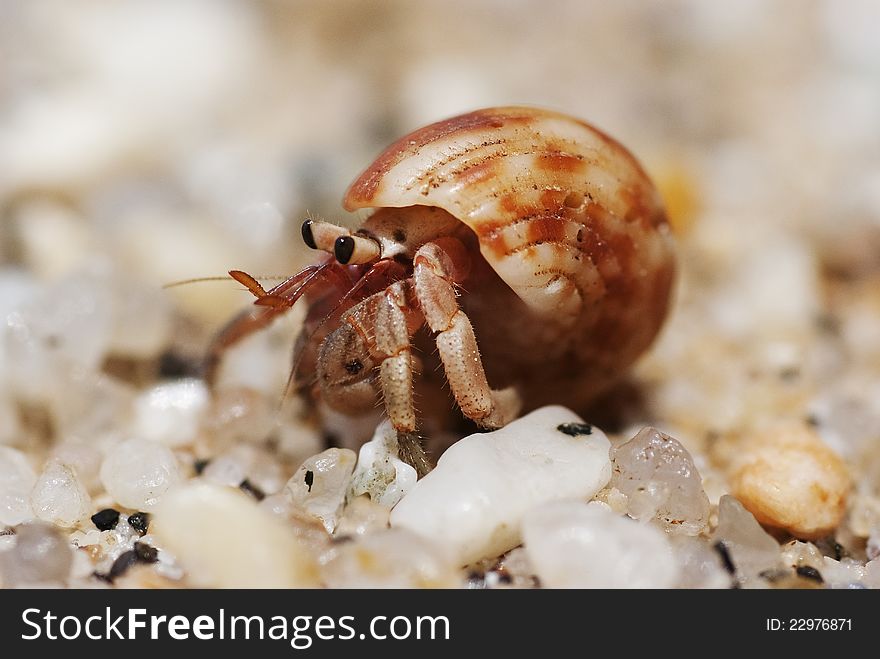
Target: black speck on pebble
(122,564)
(724,553)
(310,478)
(142,553)
(146,553)
(253,490)
(139,522)
(809,572)
(106,519)
(199,466)
(575,429)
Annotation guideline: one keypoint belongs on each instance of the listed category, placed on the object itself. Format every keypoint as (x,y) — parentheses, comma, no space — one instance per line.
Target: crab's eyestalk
(318,234)
(356,250)
(345,248)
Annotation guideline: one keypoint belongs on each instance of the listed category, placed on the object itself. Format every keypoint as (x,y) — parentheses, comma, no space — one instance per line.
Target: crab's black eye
(343,248)
(308,237)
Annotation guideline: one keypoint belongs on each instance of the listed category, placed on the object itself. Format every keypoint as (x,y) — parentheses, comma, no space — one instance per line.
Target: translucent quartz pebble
(41,555)
(85,459)
(59,497)
(224,539)
(137,472)
(472,503)
(225,470)
(802,554)
(845,573)
(660,481)
(700,564)
(749,547)
(66,324)
(171,412)
(572,544)
(392,558)
(246,462)
(17,479)
(379,472)
(321,483)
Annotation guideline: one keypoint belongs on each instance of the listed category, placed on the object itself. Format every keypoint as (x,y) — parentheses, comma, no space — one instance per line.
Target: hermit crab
(525,250)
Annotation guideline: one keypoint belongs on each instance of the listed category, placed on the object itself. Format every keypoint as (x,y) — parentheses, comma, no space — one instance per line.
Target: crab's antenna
(198,280)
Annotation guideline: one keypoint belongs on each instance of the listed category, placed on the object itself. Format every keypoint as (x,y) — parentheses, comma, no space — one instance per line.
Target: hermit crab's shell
(564,214)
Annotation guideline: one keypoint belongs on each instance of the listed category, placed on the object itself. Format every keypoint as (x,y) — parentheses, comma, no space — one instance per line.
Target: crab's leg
(437,266)
(374,336)
(270,304)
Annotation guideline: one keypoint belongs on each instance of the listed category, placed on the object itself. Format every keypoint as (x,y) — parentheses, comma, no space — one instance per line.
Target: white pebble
(137,472)
(660,481)
(379,472)
(750,547)
(472,504)
(40,557)
(572,544)
(225,540)
(391,558)
(845,573)
(320,485)
(170,413)
(59,497)
(225,470)
(17,479)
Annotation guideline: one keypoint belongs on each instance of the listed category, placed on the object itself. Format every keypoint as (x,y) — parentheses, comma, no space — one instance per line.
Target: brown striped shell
(564,215)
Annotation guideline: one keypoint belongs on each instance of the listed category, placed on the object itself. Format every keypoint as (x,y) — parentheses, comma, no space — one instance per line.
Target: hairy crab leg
(438,265)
